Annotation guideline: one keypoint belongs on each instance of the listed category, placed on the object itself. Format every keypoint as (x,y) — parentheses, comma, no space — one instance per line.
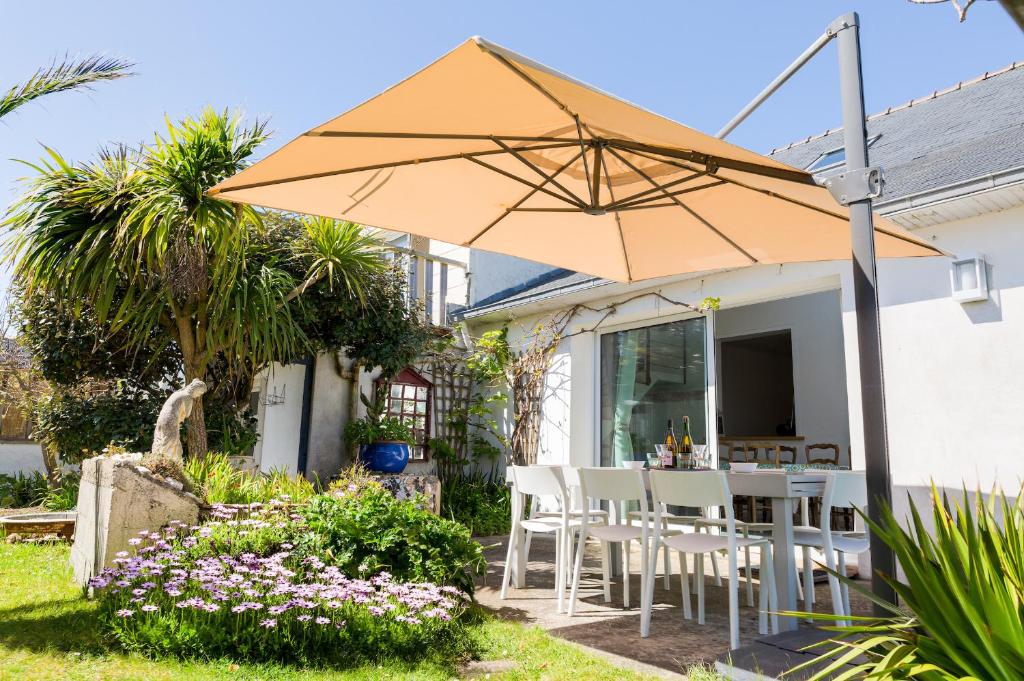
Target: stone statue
(167,434)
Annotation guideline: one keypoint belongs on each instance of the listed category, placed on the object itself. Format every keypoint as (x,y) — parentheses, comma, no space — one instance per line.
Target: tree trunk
(196,430)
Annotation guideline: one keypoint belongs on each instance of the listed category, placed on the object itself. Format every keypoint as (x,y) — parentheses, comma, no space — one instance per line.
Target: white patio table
(784,488)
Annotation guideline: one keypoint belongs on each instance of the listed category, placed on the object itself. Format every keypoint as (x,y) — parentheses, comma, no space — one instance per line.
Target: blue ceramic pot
(385,457)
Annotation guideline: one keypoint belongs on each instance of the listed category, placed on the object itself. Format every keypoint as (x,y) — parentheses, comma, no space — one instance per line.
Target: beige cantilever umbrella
(488,149)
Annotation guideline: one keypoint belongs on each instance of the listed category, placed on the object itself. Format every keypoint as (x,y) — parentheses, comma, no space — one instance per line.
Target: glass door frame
(710,370)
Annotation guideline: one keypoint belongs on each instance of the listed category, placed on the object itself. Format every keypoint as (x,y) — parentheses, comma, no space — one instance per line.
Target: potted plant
(383,440)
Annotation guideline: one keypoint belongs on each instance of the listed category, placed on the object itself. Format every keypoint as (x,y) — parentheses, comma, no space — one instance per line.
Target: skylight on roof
(833,158)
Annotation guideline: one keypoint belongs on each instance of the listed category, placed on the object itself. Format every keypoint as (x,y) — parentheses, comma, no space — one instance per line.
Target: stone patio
(674,644)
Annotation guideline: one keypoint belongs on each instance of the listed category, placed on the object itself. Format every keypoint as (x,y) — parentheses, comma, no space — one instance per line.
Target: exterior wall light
(968,276)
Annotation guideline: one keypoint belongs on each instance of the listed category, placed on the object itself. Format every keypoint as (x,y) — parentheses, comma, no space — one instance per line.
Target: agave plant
(962,614)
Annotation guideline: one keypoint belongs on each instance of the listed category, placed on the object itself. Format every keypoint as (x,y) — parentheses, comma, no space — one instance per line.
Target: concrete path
(675,643)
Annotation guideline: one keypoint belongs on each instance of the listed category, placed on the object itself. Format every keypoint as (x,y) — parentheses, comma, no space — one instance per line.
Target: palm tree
(134,235)
(62,76)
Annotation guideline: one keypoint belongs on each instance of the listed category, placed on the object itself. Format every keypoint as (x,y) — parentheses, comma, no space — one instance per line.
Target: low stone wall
(116,500)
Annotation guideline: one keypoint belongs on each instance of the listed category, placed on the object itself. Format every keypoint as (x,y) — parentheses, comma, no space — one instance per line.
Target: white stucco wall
(279,443)
(329,413)
(819,376)
(953,372)
(24,457)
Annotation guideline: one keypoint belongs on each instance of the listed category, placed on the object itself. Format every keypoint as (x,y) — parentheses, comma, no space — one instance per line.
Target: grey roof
(961,133)
(968,131)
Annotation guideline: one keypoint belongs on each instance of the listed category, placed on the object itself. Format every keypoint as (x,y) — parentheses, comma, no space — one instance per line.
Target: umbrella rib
(586,166)
(537,187)
(679,192)
(431,136)
(537,170)
(618,219)
(632,198)
(378,166)
(684,206)
(537,86)
(708,161)
(797,202)
(518,203)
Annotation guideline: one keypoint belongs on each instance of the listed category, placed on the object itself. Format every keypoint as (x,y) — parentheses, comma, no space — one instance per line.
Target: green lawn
(49,631)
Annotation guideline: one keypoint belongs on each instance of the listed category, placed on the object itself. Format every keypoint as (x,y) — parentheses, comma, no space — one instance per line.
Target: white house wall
(281,425)
(20,457)
(819,376)
(953,372)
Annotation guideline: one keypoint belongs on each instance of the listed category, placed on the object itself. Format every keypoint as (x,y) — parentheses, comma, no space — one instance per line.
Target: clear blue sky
(301,63)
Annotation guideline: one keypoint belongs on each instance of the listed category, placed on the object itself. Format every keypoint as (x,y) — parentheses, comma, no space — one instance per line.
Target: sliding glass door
(648,376)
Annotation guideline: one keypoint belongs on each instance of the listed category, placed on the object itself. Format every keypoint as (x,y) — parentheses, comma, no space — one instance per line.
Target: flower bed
(239,589)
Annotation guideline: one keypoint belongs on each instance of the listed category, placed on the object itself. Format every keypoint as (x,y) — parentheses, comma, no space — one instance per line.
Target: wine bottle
(668,459)
(686,445)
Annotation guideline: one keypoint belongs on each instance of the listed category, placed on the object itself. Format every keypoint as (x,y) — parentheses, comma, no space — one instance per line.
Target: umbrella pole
(865,291)
(855,188)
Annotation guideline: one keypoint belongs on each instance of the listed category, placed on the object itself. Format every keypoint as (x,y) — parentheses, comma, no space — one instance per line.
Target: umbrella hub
(594,210)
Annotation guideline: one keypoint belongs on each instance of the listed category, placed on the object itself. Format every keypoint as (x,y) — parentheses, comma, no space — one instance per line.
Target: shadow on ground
(674,644)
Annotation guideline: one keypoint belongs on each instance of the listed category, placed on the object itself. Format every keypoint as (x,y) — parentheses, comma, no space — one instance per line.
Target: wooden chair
(753,451)
(832,458)
(788,451)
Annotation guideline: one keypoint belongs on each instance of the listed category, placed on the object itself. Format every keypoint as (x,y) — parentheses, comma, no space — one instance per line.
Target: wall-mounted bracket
(855,185)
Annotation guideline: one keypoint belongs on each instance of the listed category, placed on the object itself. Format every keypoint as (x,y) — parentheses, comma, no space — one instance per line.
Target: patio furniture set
(622,506)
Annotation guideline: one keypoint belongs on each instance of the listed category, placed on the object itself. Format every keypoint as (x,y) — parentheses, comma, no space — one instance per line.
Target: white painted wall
(819,376)
(279,444)
(954,373)
(24,457)
(329,413)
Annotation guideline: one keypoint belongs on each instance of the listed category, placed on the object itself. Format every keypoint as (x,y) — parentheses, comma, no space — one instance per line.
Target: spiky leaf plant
(962,614)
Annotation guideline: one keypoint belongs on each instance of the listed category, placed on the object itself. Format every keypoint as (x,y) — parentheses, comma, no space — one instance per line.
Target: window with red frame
(409,400)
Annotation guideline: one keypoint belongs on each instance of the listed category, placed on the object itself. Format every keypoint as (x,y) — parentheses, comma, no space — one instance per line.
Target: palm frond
(338,253)
(64,75)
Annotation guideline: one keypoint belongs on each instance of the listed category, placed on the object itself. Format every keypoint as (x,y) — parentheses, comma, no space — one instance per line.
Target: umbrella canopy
(488,149)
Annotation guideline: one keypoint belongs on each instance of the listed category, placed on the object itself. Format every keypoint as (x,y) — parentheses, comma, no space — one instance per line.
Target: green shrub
(234,590)
(367,531)
(80,426)
(64,495)
(482,505)
(964,591)
(219,482)
(22,490)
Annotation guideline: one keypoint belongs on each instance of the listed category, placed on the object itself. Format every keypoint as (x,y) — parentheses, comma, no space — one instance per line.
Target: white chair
(571,478)
(702,489)
(843,489)
(617,487)
(746,530)
(544,481)
(670,523)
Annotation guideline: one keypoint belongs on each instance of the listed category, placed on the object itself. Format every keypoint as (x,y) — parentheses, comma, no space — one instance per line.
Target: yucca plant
(962,614)
(61,76)
(134,236)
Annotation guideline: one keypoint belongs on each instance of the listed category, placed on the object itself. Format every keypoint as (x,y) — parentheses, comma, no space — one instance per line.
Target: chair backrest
(617,486)
(823,457)
(845,489)
(737,453)
(613,484)
(539,481)
(753,450)
(785,454)
(691,488)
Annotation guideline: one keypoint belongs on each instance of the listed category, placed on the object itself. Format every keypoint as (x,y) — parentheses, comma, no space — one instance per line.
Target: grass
(48,630)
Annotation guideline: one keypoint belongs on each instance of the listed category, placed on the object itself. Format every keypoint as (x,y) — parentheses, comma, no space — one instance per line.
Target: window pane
(409,391)
(396,390)
(421,423)
(421,407)
(421,393)
(649,376)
